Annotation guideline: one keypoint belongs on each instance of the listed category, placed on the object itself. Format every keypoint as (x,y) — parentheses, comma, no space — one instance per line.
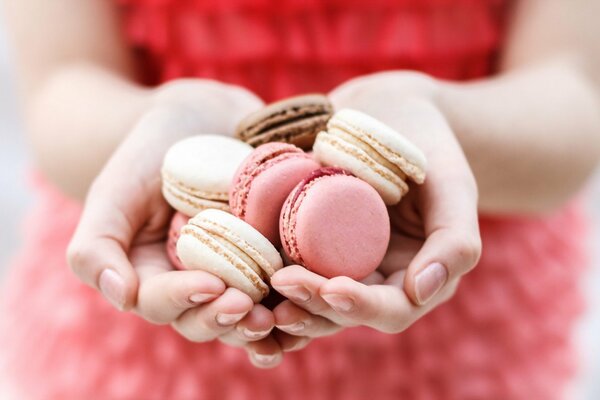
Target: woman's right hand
(119,245)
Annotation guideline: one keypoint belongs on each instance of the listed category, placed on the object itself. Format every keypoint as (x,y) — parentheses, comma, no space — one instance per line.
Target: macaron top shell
(263,182)
(335,224)
(295,120)
(197,172)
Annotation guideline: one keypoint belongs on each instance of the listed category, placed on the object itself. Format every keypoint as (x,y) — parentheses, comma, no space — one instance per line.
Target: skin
(488,150)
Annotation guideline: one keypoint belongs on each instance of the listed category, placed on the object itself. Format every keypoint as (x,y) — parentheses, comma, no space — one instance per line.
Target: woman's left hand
(435,233)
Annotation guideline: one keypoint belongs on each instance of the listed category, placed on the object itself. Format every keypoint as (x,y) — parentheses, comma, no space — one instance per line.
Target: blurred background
(15,198)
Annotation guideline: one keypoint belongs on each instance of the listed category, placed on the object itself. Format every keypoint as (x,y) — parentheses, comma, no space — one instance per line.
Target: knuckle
(149,309)
(80,258)
(152,317)
(469,251)
(194,332)
(394,327)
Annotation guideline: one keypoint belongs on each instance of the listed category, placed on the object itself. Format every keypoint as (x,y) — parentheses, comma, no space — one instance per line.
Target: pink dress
(505,335)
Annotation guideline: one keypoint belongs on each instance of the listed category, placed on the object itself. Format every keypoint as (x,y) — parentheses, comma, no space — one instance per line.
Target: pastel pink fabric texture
(505,335)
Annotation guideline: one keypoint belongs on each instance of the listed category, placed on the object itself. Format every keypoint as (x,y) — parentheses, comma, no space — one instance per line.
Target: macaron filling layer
(317,114)
(408,167)
(195,198)
(216,196)
(230,252)
(293,203)
(264,267)
(352,138)
(245,179)
(328,149)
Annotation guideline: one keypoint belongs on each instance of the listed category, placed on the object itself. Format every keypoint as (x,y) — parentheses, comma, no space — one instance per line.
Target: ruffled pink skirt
(506,333)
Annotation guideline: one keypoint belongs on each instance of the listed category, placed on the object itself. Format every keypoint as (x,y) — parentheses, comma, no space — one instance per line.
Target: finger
(111,220)
(120,211)
(290,343)
(295,321)
(163,297)
(231,338)
(453,244)
(302,287)
(265,353)
(209,321)
(256,325)
(97,253)
(385,308)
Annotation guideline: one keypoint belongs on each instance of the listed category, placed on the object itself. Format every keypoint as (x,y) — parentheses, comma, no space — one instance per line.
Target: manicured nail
(199,298)
(229,319)
(265,359)
(339,302)
(112,287)
(254,334)
(295,293)
(294,328)
(429,281)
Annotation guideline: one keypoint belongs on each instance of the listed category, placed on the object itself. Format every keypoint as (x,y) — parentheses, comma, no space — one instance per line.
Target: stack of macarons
(239,208)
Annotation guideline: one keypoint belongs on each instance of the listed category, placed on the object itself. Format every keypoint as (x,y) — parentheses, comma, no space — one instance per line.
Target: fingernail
(429,281)
(112,287)
(254,334)
(339,302)
(229,319)
(295,293)
(264,358)
(199,298)
(296,327)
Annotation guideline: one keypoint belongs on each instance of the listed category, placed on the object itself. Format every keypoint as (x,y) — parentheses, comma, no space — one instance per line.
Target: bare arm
(77,82)
(532,135)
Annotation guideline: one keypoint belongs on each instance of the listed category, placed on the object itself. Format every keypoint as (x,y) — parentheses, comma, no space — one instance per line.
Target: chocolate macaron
(295,120)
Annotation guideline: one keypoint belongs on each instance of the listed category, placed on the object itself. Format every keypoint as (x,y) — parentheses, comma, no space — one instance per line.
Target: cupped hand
(119,245)
(435,233)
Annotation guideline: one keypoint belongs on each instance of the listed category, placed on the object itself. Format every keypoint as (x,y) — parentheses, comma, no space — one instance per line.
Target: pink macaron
(335,224)
(179,220)
(263,182)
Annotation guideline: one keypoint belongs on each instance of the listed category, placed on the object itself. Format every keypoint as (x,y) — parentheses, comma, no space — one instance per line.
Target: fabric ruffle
(277,48)
(505,335)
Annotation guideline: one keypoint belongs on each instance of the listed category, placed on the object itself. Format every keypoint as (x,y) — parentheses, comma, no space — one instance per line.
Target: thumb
(448,203)
(98,250)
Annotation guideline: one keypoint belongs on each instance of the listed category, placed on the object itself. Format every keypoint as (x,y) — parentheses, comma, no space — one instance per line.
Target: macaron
(372,151)
(223,245)
(295,120)
(197,172)
(178,221)
(263,182)
(335,224)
